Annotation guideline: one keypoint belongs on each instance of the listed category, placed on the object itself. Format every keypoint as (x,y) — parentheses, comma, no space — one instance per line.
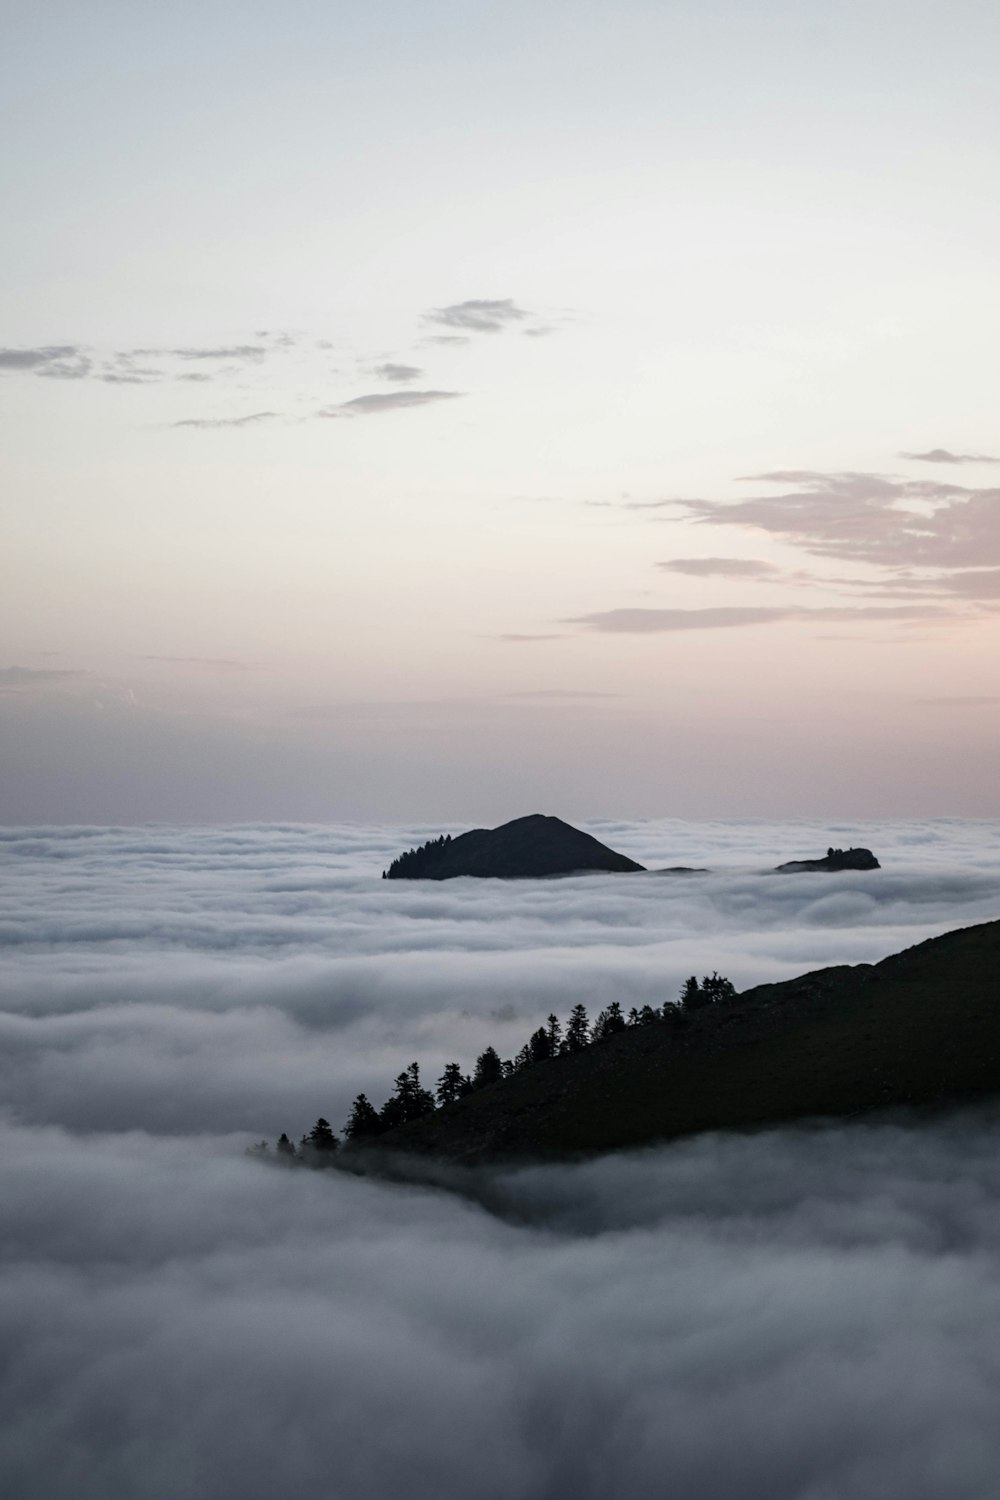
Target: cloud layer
(799,1315)
(785,1316)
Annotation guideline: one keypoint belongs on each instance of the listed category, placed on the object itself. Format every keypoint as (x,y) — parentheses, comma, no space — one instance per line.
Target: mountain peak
(530,847)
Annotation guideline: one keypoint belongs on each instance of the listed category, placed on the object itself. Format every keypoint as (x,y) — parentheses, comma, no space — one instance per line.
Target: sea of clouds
(808,1314)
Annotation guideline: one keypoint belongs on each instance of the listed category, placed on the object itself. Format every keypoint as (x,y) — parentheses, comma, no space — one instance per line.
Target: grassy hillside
(920,1028)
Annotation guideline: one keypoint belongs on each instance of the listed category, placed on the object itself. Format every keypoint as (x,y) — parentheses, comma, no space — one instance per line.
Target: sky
(459,410)
(798,1314)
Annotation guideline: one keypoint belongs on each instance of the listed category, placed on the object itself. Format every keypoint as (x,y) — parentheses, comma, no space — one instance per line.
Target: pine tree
(284,1146)
(691,996)
(717,989)
(577,1030)
(523,1059)
(489,1069)
(322,1139)
(411,1100)
(452,1085)
(364,1121)
(540,1045)
(608,1023)
(554,1029)
(392,1114)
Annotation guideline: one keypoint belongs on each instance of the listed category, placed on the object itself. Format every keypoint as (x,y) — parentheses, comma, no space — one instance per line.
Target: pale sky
(454,411)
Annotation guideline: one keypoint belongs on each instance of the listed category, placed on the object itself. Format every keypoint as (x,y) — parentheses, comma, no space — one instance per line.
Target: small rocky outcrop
(527,848)
(834,859)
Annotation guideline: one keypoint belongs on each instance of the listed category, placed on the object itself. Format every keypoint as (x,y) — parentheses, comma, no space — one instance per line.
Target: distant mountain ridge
(538,846)
(530,847)
(921,1028)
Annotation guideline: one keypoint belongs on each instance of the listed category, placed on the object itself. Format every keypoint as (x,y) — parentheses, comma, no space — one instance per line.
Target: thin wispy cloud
(380,402)
(478,315)
(74,362)
(252,419)
(514,635)
(720,567)
(945,456)
(216,352)
(656,621)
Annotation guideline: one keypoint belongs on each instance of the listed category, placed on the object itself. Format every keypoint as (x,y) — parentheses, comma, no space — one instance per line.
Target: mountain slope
(920,1028)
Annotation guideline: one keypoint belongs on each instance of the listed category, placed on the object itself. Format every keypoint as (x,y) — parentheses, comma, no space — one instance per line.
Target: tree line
(413,864)
(411,1100)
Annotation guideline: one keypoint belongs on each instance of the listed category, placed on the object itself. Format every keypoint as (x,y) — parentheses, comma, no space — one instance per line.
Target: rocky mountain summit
(523,849)
(834,859)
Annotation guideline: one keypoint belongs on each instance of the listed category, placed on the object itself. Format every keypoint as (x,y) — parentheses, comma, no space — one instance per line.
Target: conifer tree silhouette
(577,1030)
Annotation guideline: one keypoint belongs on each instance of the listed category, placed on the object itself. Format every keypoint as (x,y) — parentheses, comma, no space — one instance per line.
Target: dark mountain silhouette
(834,859)
(528,847)
(921,1028)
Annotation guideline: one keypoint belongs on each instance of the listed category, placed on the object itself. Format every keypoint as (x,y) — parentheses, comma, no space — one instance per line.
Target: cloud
(77,368)
(54,361)
(514,635)
(13,679)
(479,315)
(384,401)
(719,567)
(969,583)
(251,978)
(398,374)
(176,1318)
(647,621)
(251,420)
(944,456)
(870,518)
(825,1300)
(36,359)
(72,362)
(218,352)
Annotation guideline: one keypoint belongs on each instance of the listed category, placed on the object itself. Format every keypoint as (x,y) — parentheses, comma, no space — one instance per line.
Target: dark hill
(527,847)
(834,859)
(921,1028)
